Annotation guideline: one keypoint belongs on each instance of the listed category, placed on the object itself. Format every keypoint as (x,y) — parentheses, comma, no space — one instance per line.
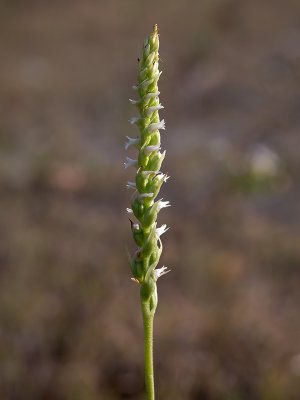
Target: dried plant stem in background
(148,181)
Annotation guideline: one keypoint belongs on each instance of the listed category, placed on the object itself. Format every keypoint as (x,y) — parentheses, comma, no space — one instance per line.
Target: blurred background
(227,325)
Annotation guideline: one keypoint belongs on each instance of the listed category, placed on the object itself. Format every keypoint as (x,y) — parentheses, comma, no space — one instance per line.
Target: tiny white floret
(151,110)
(161,230)
(160,272)
(163,204)
(133,101)
(131,185)
(149,96)
(150,149)
(130,162)
(134,120)
(157,125)
(131,142)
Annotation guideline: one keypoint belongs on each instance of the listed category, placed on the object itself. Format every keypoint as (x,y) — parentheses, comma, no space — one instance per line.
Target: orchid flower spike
(147,184)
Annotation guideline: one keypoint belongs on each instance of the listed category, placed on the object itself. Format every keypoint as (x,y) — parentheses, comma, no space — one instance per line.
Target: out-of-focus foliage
(227,325)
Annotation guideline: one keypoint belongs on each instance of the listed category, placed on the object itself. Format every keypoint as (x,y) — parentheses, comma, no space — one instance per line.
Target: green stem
(148,333)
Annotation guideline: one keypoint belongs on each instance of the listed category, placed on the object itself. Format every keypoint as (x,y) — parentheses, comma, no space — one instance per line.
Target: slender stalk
(148,350)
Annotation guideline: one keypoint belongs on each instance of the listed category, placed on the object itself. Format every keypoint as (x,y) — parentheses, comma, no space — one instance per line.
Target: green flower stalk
(148,181)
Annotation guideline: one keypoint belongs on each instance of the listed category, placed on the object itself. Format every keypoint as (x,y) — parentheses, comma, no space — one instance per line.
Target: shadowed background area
(227,325)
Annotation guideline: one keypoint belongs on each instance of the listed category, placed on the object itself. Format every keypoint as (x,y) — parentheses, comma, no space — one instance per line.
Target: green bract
(148,178)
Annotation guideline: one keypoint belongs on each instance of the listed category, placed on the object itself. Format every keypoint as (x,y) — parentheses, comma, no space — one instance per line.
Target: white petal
(164,177)
(161,230)
(149,96)
(131,185)
(133,101)
(134,120)
(136,227)
(160,272)
(129,210)
(160,176)
(151,110)
(150,149)
(157,125)
(131,142)
(163,204)
(130,162)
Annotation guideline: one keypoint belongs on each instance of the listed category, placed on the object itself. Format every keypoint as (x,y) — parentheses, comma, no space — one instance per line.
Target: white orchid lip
(131,185)
(162,204)
(136,227)
(160,272)
(152,109)
(134,102)
(156,126)
(131,163)
(131,142)
(150,149)
(162,177)
(161,230)
(135,120)
(149,96)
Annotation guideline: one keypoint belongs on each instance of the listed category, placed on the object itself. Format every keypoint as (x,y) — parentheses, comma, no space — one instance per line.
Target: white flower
(151,110)
(162,204)
(150,149)
(131,142)
(157,125)
(134,102)
(163,177)
(136,227)
(160,272)
(130,162)
(131,185)
(129,210)
(149,96)
(161,230)
(134,120)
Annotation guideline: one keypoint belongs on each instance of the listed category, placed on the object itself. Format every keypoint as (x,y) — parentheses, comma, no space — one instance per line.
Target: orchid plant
(146,187)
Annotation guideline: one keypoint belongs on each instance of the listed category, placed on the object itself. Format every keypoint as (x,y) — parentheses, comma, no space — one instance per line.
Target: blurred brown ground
(227,324)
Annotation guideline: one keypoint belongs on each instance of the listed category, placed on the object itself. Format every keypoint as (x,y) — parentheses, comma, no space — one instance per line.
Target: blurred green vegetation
(227,324)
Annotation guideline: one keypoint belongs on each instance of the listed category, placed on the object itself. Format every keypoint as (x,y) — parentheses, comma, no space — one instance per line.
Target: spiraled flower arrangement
(147,184)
